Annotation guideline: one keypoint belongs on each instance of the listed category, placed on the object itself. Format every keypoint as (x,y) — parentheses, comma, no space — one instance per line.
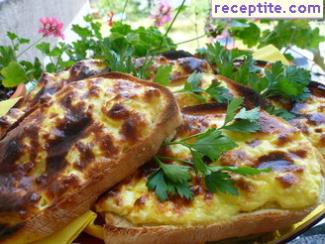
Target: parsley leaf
(245,121)
(157,183)
(193,86)
(243,126)
(212,144)
(243,170)
(220,181)
(193,83)
(215,90)
(198,163)
(163,74)
(251,115)
(287,82)
(279,112)
(219,93)
(233,106)
(175,173)
(222,58)
(170,179)
(219,178)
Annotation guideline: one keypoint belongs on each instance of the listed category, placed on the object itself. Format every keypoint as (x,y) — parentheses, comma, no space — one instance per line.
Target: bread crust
(261,221)
(76,203)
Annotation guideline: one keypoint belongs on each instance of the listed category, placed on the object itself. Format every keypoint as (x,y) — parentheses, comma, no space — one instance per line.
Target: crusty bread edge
(260,221)
(73,205)
(244,224)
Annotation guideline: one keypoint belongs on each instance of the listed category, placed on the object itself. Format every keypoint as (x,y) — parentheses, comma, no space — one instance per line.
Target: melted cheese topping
(70,139)
(294,185)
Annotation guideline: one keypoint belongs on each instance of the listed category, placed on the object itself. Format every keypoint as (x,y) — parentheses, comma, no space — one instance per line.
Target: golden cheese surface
(294,182)
(71,139)
(47,86)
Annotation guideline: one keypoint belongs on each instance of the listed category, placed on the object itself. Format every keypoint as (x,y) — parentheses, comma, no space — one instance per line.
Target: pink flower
(163,13)
(51,27)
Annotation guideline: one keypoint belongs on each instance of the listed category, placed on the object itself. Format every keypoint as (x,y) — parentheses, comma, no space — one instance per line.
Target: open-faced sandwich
(216,179)
(72,146)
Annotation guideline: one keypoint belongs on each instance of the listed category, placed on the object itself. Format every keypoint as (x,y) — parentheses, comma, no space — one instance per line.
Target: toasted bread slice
(71,148)
(46,87)
(266,202)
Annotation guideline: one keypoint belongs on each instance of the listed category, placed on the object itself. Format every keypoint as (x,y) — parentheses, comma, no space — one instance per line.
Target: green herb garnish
(206,147)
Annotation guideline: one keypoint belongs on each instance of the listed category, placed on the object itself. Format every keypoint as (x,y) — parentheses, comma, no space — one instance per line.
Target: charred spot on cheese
(243,184)
(251,98)
(94,91)
(278,161)
(285,138)
(192,64)
(192,126)
(86,154)
(316,119)
(271,125)
(210,108)
(140,201)
(150,94)
(319,130)
(66,183)
(236,158)
(179,203)
(287,179)
(254,143)
(176,54)
(117,111)
(317,89)
(300,153)
(131,128)
(84,69)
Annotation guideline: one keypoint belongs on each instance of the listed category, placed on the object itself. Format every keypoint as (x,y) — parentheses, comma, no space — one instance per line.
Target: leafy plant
(13,71)
(288,82)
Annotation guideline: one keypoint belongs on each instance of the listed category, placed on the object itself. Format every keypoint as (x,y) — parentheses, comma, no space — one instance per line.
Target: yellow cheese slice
(71,231)
(6,105)
(271,54)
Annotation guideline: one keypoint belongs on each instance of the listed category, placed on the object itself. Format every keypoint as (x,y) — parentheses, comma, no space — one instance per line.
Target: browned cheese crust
(46,87)
(87,137)
(310,115)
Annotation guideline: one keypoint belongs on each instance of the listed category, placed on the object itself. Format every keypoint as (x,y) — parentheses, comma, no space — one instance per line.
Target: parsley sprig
(278,80)
(215,91)
(206,147)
